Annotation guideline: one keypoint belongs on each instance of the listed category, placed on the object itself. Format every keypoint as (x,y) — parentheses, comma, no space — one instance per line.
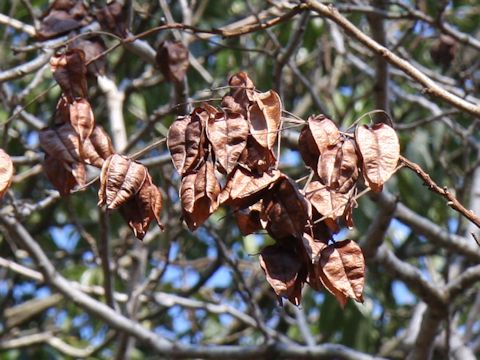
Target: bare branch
(431,87)
(154,341)
(452,200)
(18,25)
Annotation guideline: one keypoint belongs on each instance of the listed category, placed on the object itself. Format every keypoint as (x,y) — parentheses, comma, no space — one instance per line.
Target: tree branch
(154,341)
(431,87)
(452,200)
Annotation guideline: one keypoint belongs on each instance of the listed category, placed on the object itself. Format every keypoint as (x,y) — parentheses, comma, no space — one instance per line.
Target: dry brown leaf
(246,189)
(6,172)
(287,210)
(265,116)
(227,132)
(121,178)
(326,170)
(380,151)
(185,140)
(199,195)
(113,17)
(70,72)
(81,118)
(97,147)
(281,267)
(59,175)
(308,148)
(324,131)
(343,265)
(257,158)
(338,166)
(172,59)
(327,202)
(141,209)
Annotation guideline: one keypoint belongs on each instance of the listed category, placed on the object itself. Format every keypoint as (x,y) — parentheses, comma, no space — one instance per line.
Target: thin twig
(451,200)
(430,87)
(105,257)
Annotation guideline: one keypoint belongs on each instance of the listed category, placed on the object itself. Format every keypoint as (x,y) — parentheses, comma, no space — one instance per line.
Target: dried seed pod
(308,148)
(92,46)
(338,166)
(343,270)
(313,247)
(81,118)
(186,139)
(242,91)
(139,210)
(199,194)
(172,59)
(61,142)
(328,203)
(227,132)
(62,111)
(121,179)
(286,210)
(283,272)
(324,132)
(61,178)
(114,17)
(265,116)
(69,70)
(6,172)
(257,158)
(245,188)
(380,151)
(61,17)
(250,220)
(97,147)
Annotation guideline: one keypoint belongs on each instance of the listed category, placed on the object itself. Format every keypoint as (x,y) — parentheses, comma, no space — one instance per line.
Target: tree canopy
(239,179)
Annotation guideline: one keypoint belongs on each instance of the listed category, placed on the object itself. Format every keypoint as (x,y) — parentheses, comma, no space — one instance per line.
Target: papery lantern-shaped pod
(341,269)
(81,118)
(265,115)
(121,178)
(172,59)
(70,72)
(199,194)
(186,139)
(6,172)
(380,151)
(227,132)
(97,148)
(145,206)
(284,271)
